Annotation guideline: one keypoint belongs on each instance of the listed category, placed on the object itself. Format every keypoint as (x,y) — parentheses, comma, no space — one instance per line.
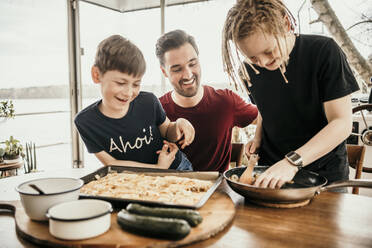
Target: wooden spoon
(247,176)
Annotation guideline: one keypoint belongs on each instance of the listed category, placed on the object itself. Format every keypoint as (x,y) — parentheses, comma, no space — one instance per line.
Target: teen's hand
(276,175)
(185,132)
(167,155)
(252,147)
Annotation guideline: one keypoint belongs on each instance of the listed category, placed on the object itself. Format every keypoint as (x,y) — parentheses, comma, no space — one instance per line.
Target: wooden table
(330,220)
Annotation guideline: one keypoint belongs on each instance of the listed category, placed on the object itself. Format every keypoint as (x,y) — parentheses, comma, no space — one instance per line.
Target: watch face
(294,158)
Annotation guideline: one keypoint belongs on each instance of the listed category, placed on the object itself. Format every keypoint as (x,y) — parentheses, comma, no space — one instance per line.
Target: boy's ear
(95,74)
(163,71)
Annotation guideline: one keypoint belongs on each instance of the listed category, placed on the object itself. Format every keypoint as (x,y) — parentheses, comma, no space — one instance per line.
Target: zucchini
(165,228)
(191,216)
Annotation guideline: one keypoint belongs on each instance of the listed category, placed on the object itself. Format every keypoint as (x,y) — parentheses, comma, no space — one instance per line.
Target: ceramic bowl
(57,190)
(81,219)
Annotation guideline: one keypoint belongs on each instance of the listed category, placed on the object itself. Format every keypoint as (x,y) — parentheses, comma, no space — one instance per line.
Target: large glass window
(204,21)
(353,16)
(34,75)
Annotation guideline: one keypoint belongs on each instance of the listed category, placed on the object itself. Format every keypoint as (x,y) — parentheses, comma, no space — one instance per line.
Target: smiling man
(213,113)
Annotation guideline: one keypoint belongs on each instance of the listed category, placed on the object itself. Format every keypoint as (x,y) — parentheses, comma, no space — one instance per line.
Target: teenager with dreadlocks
(301,85)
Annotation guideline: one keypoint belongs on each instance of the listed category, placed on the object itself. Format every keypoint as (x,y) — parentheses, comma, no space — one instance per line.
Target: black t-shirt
(293,112)
(134,137)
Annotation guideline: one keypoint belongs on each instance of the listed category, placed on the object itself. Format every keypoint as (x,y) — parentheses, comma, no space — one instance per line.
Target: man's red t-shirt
(213,119)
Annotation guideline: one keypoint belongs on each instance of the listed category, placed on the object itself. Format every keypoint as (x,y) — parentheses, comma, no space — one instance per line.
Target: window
(34,68)
(204,21)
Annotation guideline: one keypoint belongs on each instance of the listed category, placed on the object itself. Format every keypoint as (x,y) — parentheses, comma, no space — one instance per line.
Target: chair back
(355,157)
(237,153)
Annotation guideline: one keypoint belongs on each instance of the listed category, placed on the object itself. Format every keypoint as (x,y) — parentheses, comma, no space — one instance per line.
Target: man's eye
(176,70)
(192,65)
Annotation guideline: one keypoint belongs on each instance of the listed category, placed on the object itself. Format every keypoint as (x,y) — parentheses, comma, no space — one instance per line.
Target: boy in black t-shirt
(301,85)
(128,127)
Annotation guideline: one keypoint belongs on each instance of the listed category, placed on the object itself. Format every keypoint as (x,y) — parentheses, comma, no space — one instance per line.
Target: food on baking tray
(191,216)
(166,228)
(166,189)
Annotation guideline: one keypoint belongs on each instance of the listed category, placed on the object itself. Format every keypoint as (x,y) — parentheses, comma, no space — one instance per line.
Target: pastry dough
(165,189)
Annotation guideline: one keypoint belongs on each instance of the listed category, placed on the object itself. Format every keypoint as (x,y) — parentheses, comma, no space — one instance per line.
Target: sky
(33,36)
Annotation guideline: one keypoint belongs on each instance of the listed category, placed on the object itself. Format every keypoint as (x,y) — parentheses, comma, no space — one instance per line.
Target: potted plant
(13,151)
(6,110)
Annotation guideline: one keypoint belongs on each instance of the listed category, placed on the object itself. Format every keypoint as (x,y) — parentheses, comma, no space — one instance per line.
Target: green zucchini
(165,228)
(191,216)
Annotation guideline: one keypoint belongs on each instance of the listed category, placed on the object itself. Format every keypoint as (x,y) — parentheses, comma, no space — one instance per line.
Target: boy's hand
(185,132)
(167,155)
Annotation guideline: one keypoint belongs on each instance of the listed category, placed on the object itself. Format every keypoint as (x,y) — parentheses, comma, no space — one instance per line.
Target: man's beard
(188,92)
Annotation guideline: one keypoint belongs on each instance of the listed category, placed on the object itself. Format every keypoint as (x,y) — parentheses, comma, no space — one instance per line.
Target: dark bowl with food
(296,191)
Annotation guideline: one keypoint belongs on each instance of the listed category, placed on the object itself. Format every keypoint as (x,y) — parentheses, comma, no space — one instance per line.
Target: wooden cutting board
(217,213)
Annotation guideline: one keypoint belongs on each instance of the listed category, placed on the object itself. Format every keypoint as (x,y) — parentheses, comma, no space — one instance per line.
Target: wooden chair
(237,153)
(355,156)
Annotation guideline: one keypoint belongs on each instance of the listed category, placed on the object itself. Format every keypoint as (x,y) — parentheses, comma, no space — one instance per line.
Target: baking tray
(120,202)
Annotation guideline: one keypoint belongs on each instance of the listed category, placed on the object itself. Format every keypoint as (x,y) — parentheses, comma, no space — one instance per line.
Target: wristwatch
(295,159)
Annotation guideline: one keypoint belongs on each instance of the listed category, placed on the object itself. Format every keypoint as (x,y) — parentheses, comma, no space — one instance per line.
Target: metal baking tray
(120,202)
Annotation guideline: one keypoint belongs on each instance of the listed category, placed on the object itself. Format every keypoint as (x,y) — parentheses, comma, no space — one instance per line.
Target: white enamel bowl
(80,219)
(57,190)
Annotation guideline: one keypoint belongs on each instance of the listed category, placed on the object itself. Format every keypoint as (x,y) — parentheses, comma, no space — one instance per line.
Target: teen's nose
(261,61)
(265,59)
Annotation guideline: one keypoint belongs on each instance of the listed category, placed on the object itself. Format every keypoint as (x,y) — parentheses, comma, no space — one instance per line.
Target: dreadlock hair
(245,18)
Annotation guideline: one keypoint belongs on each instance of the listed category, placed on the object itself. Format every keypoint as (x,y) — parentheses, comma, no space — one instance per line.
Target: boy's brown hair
(117,53)
(173,40)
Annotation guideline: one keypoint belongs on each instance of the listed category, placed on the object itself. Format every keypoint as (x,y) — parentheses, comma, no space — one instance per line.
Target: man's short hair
(172,40)
(118,53)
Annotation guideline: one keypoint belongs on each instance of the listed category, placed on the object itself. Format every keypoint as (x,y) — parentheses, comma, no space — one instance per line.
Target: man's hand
(167,155)
(185,132)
